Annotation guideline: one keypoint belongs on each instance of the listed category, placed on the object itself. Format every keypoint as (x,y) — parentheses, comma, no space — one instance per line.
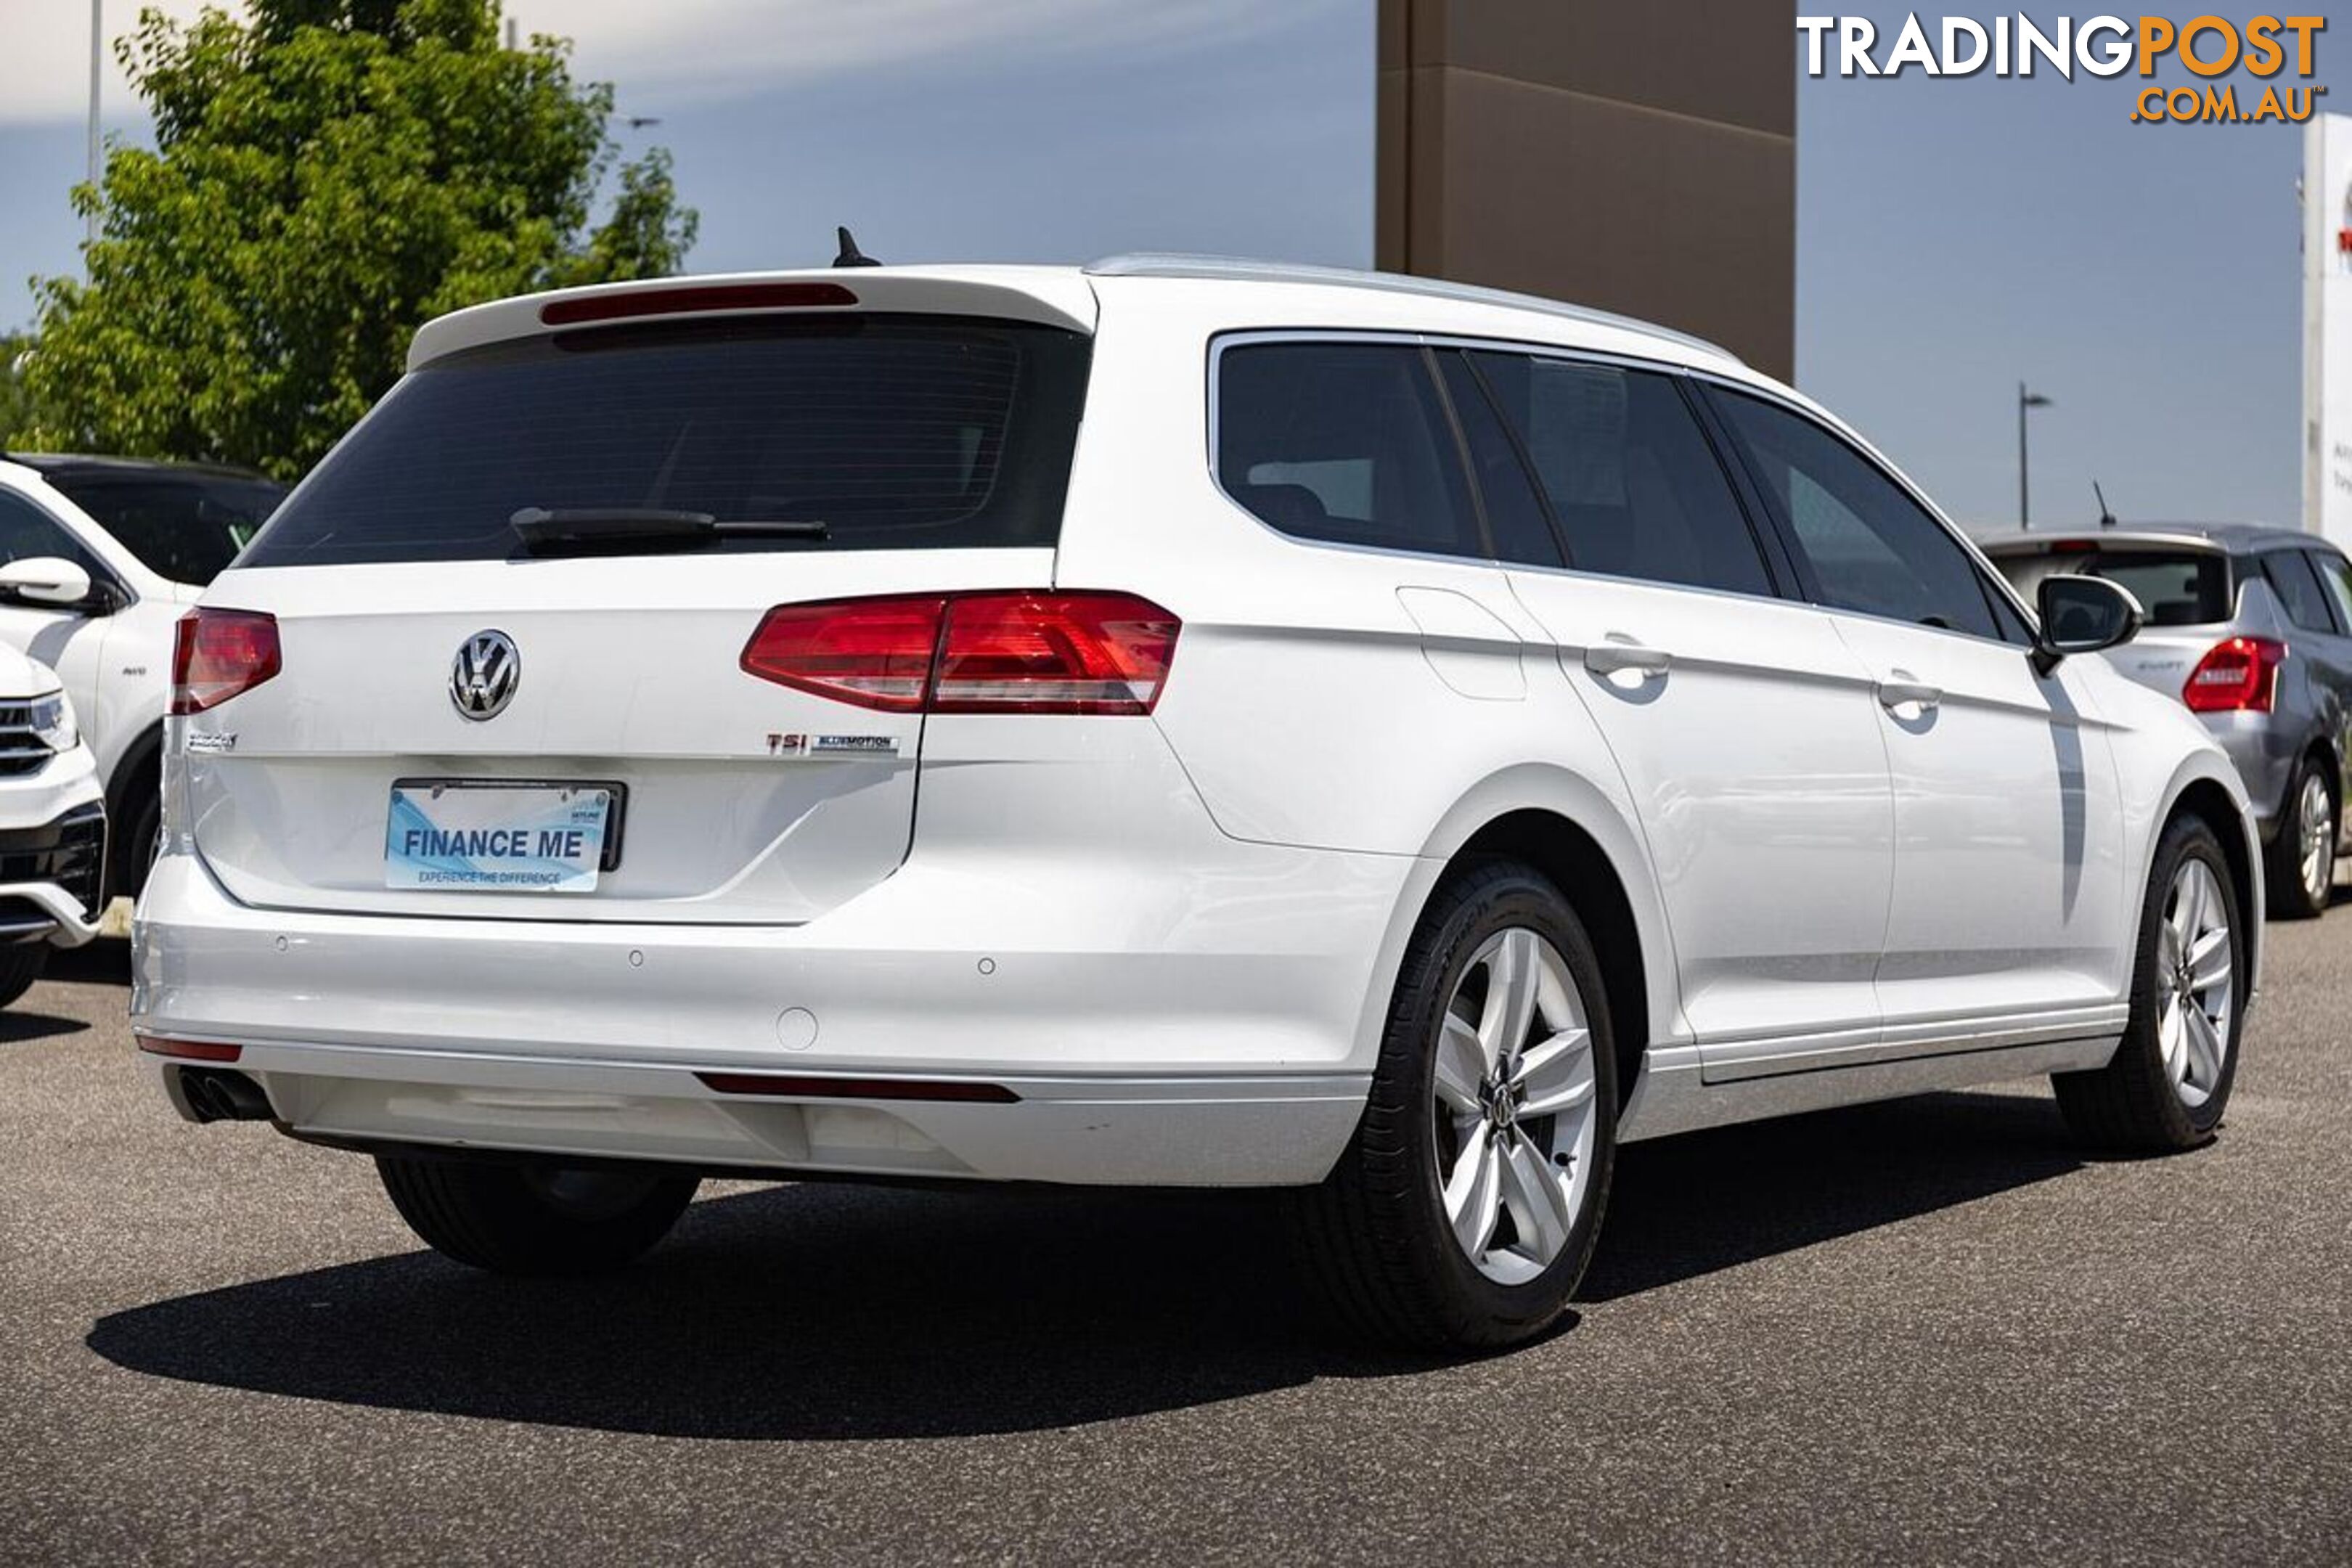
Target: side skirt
(1672,1098)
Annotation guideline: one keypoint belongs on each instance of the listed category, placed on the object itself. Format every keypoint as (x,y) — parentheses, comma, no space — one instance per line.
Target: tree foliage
(326,176)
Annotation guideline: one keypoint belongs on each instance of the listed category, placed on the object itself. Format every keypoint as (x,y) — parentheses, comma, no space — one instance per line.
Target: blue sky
(1953,236)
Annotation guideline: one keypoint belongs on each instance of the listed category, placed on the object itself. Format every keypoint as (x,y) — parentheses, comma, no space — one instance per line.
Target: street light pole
(2025,400)
(97,55)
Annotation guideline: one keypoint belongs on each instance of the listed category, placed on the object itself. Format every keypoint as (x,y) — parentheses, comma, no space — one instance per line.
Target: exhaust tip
(216,1095)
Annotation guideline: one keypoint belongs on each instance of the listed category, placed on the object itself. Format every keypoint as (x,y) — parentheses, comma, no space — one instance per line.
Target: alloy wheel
(2196,983)
(2315,824)
(1514,1107)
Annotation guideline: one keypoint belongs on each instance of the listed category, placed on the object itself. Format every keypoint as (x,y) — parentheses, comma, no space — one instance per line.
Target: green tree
(326,176)
(16,402)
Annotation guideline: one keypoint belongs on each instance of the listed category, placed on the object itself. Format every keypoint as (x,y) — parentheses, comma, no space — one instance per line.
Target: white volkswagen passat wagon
(1172,723)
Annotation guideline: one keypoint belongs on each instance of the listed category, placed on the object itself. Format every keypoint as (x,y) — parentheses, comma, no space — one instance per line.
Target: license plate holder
(501,835)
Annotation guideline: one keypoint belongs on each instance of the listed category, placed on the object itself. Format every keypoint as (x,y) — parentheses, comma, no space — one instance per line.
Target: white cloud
(684,51)
(45,57)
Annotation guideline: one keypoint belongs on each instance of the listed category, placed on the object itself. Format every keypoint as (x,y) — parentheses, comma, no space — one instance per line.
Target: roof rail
(1160,264)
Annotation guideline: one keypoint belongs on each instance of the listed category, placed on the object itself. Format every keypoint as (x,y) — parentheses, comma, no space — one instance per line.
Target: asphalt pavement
(1923,1331)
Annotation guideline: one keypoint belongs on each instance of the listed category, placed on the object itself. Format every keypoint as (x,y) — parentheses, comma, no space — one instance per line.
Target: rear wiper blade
(538,526)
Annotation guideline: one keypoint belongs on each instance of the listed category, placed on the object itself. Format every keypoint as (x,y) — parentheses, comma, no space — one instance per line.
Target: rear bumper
(1197,1131)
(1174,1022)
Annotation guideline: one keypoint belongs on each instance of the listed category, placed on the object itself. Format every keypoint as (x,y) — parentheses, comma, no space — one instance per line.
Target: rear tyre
(19,967)
(1465,1209)
(2169,1080)
(142,837)
(534,1219)
(2299,866)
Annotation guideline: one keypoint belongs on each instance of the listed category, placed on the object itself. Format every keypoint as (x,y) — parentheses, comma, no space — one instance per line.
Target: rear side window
(1632,480)
(897,432)
(187,529)
(2298,589)
(1344,442)
(2175,587)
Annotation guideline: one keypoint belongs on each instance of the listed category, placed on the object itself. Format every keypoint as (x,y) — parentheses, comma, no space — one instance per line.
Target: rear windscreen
(2174,587)
(894,432)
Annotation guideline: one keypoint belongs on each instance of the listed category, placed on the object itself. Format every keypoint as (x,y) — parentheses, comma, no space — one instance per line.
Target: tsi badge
(785,745)
(484,675)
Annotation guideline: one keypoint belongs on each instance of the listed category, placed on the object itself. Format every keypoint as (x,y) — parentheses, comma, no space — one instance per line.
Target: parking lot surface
(1921,1331)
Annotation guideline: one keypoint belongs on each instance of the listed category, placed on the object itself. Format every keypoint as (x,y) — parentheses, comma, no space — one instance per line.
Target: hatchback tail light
(1030,651)
(2238,675)
(216,654)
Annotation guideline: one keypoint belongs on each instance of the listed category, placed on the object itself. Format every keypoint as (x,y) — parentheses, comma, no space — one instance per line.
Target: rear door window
(1516,515)
(2297,586)
(896,432)
(1634,484)
(1344,442)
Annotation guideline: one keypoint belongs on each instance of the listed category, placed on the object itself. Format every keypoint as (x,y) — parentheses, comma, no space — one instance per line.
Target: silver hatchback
(2252,627)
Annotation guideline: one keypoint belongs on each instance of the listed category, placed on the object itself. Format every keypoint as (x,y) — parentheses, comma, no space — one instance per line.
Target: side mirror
(50,580)
(2082,615)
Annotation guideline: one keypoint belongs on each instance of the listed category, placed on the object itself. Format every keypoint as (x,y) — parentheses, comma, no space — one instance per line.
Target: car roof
(1066,297)
(1153,264)
(91,464)
(2229,536)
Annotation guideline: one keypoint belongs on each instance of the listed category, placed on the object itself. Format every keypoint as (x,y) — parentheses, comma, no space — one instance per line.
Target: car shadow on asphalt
(18,1026)
(835,1311)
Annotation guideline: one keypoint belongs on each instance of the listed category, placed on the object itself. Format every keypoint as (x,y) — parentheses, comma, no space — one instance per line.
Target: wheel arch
(1567,828)
(144,752)
(2218,801)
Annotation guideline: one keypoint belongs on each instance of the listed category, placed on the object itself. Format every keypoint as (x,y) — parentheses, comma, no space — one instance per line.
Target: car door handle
(1619,652)
(1899,690)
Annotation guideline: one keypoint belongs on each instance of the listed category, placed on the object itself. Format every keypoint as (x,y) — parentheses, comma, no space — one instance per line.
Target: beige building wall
(1636,155)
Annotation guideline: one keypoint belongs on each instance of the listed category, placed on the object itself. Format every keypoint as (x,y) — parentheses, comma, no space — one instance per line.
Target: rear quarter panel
(1338,698)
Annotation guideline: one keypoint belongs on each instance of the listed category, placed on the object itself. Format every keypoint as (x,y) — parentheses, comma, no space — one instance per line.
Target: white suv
(52,825)
(1174,722)
(142,539)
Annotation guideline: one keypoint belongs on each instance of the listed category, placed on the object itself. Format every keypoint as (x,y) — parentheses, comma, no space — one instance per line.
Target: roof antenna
(2107,518)
(850,255)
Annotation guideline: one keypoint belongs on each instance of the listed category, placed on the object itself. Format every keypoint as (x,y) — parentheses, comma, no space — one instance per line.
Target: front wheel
(534,1219)
(2167,1085)
(1465,1209)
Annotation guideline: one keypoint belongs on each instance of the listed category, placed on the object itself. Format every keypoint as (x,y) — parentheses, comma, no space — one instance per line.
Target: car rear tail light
(216,654)
(877,653)
(2240,674)
(188,1050)
(1052,653)
(1030,651)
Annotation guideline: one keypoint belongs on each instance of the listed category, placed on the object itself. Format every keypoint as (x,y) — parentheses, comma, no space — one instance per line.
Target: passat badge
(484,675)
